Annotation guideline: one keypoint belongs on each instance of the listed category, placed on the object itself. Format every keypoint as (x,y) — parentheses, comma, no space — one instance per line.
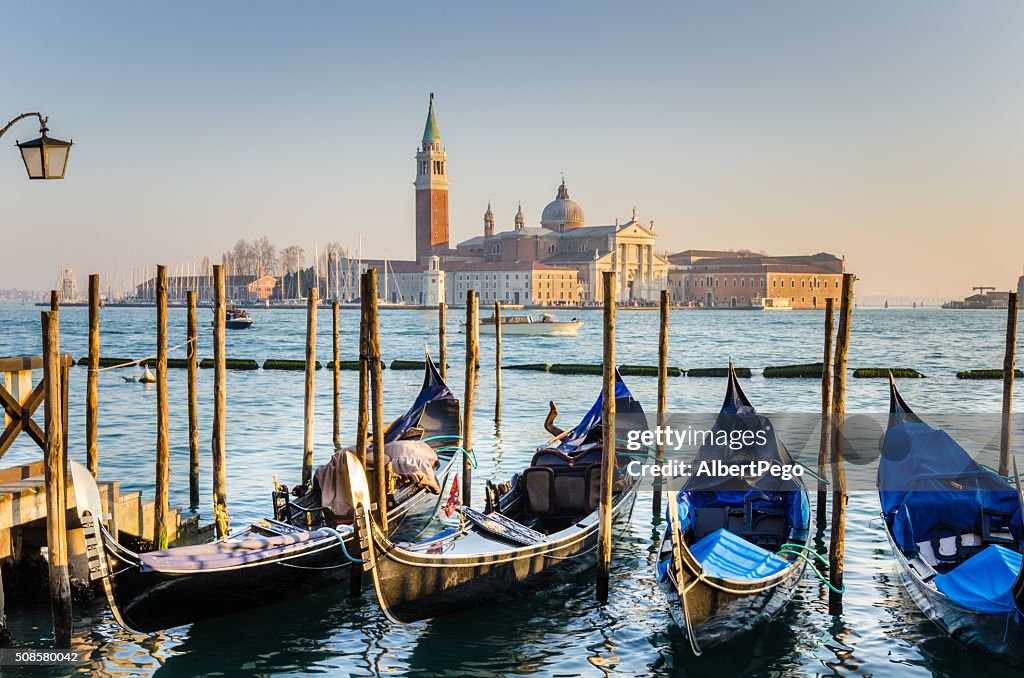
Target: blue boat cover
(433,388)
(726,555)
(984,582)
(926,480)
(624,404)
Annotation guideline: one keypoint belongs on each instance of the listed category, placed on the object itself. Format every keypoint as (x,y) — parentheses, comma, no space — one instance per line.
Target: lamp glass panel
(56,161)
(33,158)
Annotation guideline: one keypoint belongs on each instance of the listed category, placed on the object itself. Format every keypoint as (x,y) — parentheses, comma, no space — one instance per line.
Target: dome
(562,213)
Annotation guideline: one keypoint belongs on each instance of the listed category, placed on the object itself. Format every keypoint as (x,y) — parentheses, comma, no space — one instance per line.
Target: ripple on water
(561,631)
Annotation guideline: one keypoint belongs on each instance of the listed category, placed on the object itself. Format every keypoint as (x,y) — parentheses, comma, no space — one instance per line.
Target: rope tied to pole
(149,357)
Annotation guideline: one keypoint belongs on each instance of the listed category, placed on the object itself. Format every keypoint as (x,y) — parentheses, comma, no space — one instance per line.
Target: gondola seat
(729,556)
(561,490)
(985,582)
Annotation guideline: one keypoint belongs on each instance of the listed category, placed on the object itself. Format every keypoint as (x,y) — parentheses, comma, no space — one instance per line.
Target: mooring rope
(136,362)
(800,551)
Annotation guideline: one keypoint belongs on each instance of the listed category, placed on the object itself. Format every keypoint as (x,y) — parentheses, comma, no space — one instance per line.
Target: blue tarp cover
(919,464)
(983,583)
(726,555)
(592,418)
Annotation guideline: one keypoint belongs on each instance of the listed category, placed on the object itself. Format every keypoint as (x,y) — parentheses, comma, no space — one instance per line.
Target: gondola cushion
(539,489)
(728,556)
(983,583)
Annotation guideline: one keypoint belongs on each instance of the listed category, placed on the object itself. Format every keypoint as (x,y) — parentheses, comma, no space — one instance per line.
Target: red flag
(454,499)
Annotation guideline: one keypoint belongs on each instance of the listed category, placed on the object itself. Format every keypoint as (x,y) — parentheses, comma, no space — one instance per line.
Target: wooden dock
(23,516)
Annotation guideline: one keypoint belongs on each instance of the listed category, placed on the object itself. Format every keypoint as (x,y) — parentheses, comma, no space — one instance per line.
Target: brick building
(710,278)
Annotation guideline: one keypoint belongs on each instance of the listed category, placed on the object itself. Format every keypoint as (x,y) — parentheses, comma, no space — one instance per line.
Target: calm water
(563,631)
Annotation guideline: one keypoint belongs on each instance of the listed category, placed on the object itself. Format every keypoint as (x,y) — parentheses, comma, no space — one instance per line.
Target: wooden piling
(662,393)
(56,504)
(467,398)
(376,396)
(336,437)
(442,339)
(220,495)
(826,407)
(497,362)
(193,401)
(92,378)
(604,524)
(1008,364)
(161,506)
(312,301)
(362,421)
(837,541)
(54,300)
(5,634)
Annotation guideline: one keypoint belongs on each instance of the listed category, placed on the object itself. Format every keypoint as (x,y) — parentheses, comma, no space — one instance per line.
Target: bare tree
(266,255)
(244,259)
(292,257)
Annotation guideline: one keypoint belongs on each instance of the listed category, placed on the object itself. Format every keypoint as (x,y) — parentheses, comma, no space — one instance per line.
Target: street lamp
(45,157)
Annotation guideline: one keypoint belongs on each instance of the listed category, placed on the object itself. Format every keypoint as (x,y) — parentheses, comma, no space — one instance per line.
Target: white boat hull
(537,328)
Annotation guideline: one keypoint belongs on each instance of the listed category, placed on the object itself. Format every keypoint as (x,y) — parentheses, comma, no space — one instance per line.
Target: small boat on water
(771,303)
(536,529)
(303,547)
(547,324)
(236,318)
(735,545)
(955,531)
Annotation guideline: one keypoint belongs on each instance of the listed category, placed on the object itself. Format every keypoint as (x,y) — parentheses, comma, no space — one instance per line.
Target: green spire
(430,132)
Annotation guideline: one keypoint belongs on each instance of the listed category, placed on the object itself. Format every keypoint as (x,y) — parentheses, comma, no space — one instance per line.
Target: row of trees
(260,255)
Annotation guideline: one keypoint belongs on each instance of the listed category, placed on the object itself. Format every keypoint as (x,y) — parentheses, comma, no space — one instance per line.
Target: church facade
(564,240)
(559,262)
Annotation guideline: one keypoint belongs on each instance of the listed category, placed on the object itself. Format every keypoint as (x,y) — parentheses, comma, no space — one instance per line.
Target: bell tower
(431,191)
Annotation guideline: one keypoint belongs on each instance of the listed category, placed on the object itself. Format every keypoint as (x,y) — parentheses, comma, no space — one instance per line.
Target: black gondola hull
(151,601)
(999,635)
(712,616)
(413,586)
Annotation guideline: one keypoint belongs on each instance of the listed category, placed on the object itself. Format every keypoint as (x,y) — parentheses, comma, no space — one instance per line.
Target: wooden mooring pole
(837,541)
(826,408)
(376,396)
(497,362)
(193,401)
(442,339)
(662,393)
(336,356)
(363,409)
(92,378)
(362,419)
(1009,358)
(56,502)
(220,493)
(604,525)
(161,506)
(467,397)
(54,300)
(312,302)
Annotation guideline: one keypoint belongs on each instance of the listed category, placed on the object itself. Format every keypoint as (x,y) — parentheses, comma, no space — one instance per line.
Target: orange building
(710,278)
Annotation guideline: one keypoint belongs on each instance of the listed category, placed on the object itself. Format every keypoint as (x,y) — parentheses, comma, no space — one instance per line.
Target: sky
(891,133)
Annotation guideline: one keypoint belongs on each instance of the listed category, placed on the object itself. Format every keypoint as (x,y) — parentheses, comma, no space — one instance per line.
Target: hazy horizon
(891,134)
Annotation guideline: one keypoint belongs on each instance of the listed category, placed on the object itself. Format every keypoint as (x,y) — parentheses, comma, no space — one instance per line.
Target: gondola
(540,527)
(735,547)
(303,547)
(955,532)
